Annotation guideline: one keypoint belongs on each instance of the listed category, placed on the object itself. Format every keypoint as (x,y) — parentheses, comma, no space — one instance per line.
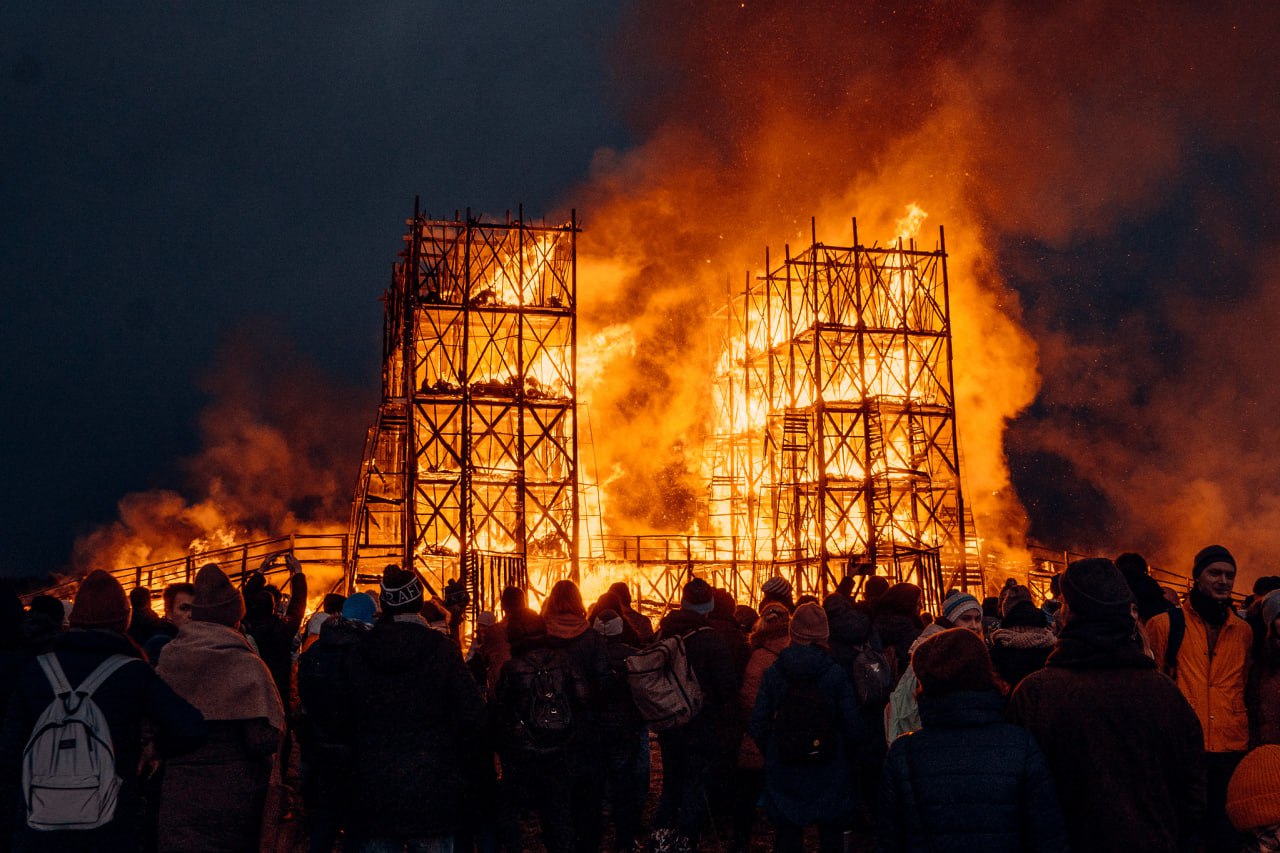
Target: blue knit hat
(360,608)
(958,602)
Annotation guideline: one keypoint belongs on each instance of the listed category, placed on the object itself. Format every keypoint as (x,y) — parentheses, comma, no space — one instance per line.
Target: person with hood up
(1211,667)
(568,629)
(963,746)
(637,620)
(213,798)
(806,723)
(1262,694)
(1123,745)
(689,752)
(131,697)
(620,729)
(412,708)
(324,731)
(959,610)
(1253,799)
(1022,643)
(896,617)
(771,635)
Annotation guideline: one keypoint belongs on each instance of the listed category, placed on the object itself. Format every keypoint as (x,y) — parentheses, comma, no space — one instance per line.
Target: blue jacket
(808,793)
(967,780)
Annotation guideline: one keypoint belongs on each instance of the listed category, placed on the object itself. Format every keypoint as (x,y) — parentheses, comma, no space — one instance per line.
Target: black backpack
(543,686)
(806,722)
(872,677)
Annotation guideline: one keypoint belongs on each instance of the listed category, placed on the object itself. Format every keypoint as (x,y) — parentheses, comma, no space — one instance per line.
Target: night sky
(202,203)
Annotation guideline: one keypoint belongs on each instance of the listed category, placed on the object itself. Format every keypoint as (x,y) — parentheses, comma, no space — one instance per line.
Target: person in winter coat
(610,601)
(896,617)
(144,622)
(620,732)
(959,610)
(272,634)
(637,620)
(133,696)
(854,645)
(771,635)
(806,723)
(690,752)
(1253,799)
(1262,695)
(324,731)
(213,798)
(1146,591)
(1021,644)
(497,648)
(1211,670)
(537,702)
(1124,747)
(568,629)
(964,745)
(178,598)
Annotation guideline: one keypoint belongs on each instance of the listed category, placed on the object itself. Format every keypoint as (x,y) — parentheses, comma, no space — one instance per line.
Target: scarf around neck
(214,668)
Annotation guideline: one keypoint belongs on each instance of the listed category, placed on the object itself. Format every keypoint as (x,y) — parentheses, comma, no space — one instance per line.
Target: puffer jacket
(967,780)
(766,643)
(1213,684)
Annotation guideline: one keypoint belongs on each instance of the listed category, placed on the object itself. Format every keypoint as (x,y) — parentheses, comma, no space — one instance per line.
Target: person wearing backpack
(691,749)
(537,702)
(213,799)
(620,730)
(122,693)
(855,646)
(807,725)
(965,746)
(568,631)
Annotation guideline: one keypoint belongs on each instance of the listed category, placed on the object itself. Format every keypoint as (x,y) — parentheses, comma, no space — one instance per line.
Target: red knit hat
(1253,795)
(953,660)
(100,603)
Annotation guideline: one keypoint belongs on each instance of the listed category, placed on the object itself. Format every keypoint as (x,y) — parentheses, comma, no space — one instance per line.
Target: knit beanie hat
(401,591)
(746,616)
(1095,588)
(1253,794)
(1212,554)
(1011,595)
(874,587)
(1270,608)
(216,599)
(809,624)
(317,619)
(608,623)
(100,603)
(958,602)
(697,597)
(777,586)
(360,607)
(952,660)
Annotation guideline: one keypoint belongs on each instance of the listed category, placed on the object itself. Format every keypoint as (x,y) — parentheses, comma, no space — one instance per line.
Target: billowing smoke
(1105,172)
(280,450)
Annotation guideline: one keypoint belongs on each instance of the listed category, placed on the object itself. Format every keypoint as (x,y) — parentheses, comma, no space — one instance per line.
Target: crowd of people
(1113,716)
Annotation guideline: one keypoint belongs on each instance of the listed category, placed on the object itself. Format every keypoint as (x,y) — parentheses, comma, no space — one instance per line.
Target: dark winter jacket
(619,717)
(821,792)
(273,635)
(134,693)
(411,703)
(515,704)
(1123,745)
(713,664)
(163,633)
(1262,694)
(967,781)
(325,726)
(590,660)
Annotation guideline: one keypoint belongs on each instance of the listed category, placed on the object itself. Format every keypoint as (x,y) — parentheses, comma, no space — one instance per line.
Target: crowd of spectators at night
(1115,715)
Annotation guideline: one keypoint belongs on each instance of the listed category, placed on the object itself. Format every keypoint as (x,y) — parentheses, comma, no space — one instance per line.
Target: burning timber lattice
(836,447)
(470,469)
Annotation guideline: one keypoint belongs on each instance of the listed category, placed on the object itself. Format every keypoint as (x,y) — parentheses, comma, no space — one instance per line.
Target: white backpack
(69,776)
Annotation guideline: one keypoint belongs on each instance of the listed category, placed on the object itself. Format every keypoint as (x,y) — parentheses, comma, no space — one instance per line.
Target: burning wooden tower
(836,446)
(470,468)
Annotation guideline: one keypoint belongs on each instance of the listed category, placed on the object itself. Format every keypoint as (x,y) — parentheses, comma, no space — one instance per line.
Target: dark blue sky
(173,171)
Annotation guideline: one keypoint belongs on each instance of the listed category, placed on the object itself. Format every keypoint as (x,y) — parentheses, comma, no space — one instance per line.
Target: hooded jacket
(968,780)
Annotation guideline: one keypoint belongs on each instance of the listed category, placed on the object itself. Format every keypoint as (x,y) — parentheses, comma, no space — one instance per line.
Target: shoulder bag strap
(53,672)
(104,671)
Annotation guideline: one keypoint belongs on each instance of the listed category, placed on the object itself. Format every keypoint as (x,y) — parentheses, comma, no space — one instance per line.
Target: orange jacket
(1213,685)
